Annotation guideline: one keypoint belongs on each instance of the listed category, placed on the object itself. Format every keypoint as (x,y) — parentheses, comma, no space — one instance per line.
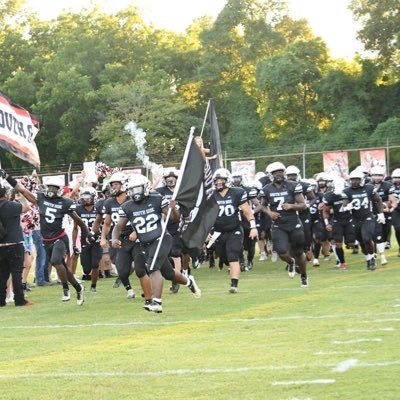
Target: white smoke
(139,137)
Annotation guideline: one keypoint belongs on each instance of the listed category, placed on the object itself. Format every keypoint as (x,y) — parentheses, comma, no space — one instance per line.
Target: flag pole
(205,118)
(175,193)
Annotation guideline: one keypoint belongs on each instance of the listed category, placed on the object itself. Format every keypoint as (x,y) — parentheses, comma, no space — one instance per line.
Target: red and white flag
(18,129)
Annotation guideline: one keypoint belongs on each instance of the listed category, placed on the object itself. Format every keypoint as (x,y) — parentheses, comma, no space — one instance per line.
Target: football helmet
(377,173)
(225,176)
(396,173)
(278,168)
(236,180)
(275,166)
(88,196)
(138,187)
(362,169)
(122,179)
(54,187)
(169,173)
(356,178)
(293,170)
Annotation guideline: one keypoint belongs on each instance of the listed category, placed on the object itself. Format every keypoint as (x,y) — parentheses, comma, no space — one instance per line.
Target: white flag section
(18,129)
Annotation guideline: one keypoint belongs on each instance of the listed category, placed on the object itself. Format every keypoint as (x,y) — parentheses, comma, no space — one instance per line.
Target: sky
(329,19)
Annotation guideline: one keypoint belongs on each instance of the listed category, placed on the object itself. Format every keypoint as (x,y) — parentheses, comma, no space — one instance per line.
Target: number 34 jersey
(360,198)
(52,211)
(145,216)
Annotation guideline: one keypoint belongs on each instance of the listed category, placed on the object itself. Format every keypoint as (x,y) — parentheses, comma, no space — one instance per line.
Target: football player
(282,200)
(229,244)
(144,213)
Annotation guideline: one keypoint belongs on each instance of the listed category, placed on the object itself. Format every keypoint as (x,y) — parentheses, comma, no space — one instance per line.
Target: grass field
(337,339)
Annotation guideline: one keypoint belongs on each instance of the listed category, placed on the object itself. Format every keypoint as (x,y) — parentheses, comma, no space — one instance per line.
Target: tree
(380,29)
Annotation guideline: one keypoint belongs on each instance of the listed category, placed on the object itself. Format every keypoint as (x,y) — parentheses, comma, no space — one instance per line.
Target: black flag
(198,210)
(215,141)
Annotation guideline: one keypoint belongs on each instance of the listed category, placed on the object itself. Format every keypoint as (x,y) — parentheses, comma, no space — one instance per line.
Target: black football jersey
(52,211)
(88,217)
(276,197)
(145,216)
(228,218)
(384,190)
(112,207)
(335,201)
(307,188)
(360,198)
(252,193)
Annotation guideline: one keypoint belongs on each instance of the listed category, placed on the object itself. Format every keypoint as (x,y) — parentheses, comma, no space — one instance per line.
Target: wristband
(326,221)
(253,224)
(13,182)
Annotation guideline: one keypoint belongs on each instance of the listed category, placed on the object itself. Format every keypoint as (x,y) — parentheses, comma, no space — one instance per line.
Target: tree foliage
(87,74)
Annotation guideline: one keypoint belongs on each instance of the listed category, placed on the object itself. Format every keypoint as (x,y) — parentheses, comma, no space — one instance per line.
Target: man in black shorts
(282,200)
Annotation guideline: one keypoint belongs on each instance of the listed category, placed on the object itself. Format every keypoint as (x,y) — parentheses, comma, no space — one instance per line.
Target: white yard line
(345,365)
(313,382)
(212,321)
(388,329)
(330,353)
(351,341)
(119,374)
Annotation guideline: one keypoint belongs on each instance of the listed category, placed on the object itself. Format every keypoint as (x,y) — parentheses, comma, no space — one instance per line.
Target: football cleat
(343,266)
(316,262)
(66,295)
(233,289)
(304,281)
(291,268)
(174,288)
(153,306)
(384,261)
(80,299)
(194,288)
(371,264)
(130,294)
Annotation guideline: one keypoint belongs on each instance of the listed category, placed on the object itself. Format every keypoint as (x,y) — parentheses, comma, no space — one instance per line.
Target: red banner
(336,162)
(18,129)
(373,158)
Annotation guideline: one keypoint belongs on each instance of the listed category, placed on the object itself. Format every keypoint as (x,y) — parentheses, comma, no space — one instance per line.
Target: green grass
(337,339)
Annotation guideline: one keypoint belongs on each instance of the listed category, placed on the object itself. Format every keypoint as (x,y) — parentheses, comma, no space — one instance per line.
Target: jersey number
(50,215)
(227,210)
(147,224)
(280,201)
(358,203)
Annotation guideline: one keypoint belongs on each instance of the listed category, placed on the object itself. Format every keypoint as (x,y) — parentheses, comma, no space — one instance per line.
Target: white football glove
(381,218)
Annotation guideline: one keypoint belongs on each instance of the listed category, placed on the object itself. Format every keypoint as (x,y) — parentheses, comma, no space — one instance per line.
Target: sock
(234,282)
(65,286)
(340,254)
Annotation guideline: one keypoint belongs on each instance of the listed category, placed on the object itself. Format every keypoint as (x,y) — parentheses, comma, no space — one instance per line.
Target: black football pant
(12,262)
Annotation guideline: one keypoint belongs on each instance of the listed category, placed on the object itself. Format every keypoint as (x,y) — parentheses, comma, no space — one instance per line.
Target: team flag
(193,196)
(216,160)
(18,129)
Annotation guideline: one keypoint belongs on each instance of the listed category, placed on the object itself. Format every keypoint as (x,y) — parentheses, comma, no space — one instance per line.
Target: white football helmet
(275,166)
(54,187)
(138,187)
(362,169)
(396,173)
(225,175)
(354,176)
(122,179)
(293,170)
